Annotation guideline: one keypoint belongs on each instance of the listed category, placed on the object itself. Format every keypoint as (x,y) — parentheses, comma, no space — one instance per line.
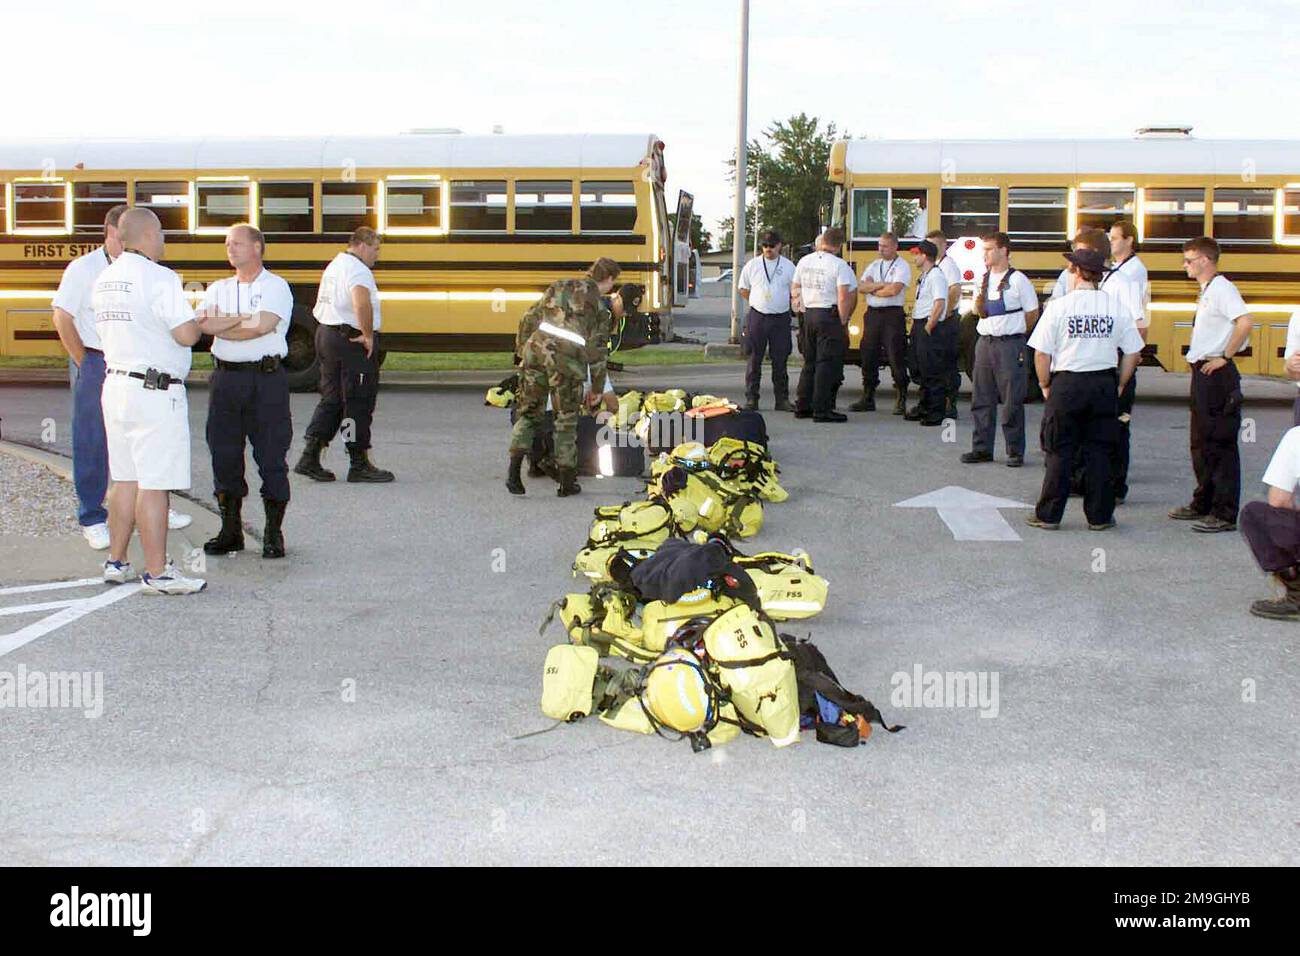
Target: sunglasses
(1192,261)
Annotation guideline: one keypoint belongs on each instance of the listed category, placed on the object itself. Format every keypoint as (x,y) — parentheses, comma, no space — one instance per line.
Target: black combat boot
(783,404)
(363,469)
(272,536)
(231,536)
(867,403)
(568,479)
(915,413)
(900,403)
(309,464)
(536,468)
(515,484)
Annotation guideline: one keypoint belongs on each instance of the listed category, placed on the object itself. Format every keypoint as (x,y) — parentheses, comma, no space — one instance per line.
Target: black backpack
(815,677)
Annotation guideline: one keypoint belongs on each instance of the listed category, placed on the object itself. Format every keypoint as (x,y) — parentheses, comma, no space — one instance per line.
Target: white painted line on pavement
(969,515)
(53,586)
(33,608)
(11,642)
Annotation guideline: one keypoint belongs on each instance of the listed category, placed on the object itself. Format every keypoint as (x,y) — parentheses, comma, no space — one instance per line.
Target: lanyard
(769,278)
(885,273)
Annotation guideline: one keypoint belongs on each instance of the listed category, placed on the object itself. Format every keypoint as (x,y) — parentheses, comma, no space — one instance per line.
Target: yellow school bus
(1171,185)
(474,227)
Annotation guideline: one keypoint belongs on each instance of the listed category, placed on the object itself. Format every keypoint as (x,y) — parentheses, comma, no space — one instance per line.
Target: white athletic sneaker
(171,581)
(176,520)
(96,536)
(117,572)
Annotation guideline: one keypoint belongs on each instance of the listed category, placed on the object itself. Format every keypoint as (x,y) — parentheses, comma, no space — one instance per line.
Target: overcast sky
(996,68)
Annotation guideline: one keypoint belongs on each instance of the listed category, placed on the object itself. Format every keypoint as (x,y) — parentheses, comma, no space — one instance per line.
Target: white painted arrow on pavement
(969,515)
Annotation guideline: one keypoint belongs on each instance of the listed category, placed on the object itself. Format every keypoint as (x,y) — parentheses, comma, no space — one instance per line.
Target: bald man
(248,396)
(146,328)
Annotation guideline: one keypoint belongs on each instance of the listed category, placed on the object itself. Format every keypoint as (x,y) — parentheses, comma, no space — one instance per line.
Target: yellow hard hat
(677,692)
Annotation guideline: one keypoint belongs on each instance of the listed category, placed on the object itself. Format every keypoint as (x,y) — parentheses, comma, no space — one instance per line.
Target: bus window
(1290,214)
(91,203)
(1038,213)
(909,211)
(4,193)
(968,210)
(478,205)
(608,206)
(412,204)
(544,205)
(220,204)
(41,207)
(1172,215)
(1103,205)
(347,206)
(1243,216)
(870,215)
(285,206)
(170,202)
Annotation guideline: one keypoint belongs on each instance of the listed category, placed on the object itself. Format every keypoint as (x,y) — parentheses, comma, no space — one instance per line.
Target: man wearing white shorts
(146,327)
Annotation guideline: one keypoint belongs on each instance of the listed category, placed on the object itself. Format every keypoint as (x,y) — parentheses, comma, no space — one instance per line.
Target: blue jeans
(89,444)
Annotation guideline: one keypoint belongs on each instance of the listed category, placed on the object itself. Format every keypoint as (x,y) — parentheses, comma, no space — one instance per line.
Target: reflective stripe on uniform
(560,333)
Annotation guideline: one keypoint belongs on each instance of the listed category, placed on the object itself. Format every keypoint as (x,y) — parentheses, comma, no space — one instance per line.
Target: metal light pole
(758,204)
(742,175)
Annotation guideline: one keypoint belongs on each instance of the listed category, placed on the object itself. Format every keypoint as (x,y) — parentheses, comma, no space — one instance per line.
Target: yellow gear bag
(747,466)
(500,397)
(636,524)
(628,716)
(568,677)
(660,621)
(786,584)
(629,408)
(752,665)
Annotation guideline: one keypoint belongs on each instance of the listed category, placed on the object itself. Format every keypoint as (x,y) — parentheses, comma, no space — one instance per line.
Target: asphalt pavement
(358,701)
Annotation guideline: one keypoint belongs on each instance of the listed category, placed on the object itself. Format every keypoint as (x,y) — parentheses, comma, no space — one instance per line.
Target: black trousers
(1216,457)
(1273,535)
(825,343)
(1295,411)
(349,385)
(883,326)
(1082,413)
(766,333)
(1119,463)
(245,404)
(936,359)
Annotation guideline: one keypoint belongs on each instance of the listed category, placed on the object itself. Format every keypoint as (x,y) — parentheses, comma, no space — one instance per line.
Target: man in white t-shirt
(1292,356)
(74,320)
(1221,329)
(765,285)
(146,328)
(1008,307)
(825,290)
(950,326)
(933,344)
(248,316)
(1272,530)
(884,324)
(1128,279)
(1076,344)
(347,342)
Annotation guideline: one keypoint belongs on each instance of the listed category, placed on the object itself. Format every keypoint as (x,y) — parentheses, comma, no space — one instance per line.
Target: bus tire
(302,363)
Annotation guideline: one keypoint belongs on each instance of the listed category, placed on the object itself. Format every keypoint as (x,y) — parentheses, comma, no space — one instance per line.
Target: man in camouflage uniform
(563,335)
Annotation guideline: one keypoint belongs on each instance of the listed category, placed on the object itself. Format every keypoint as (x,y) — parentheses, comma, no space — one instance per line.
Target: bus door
(682,249)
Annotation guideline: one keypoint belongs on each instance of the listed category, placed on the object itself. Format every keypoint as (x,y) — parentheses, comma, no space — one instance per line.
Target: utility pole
(742,175)
(758,204)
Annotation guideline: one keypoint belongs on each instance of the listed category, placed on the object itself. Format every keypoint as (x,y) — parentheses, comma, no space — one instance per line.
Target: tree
(700,237)
(790,171)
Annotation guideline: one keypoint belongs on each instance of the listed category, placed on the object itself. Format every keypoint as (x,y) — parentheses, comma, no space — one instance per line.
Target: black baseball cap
(770,238)
(1089,259)
(927,248)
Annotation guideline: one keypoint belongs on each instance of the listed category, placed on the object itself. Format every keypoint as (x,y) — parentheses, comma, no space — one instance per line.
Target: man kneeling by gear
(1272,529)
(563,336)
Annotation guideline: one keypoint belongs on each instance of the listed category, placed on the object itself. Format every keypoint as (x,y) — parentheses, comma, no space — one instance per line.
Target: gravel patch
(36,501)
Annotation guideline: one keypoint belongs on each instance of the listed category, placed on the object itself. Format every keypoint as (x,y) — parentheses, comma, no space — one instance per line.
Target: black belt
(96,351)
(152,378)
(349,332)
(1097,371)
(267,363)
(1013,335)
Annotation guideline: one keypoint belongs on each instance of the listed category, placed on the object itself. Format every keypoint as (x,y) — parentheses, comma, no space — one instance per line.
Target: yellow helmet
(677,692)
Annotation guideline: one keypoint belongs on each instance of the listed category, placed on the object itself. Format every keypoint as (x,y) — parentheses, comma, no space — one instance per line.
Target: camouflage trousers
(564,382)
